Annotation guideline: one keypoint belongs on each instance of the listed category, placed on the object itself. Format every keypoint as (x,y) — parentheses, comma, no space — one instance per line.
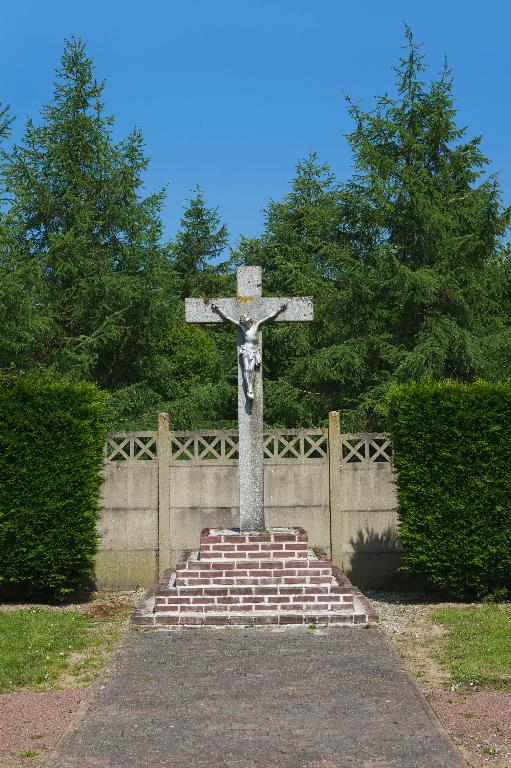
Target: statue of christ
(250,350)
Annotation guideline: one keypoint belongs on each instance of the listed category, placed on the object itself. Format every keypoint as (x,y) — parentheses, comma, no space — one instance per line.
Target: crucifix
(248,311)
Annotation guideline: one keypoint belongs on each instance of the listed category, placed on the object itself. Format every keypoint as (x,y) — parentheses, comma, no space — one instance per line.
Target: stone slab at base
(254,578)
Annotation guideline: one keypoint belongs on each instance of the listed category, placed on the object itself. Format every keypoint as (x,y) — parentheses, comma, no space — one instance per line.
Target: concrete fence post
(334,461)
(163,454)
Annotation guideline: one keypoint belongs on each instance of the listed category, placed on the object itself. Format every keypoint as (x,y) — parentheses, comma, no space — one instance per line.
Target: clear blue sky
(231,93)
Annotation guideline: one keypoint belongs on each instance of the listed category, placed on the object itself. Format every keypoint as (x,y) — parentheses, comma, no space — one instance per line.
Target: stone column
(163,454)
(250,423)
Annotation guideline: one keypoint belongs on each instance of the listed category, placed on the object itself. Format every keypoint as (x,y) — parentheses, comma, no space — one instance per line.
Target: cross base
(240,577)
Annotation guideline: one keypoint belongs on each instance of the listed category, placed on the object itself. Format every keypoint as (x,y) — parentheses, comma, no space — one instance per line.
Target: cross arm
(299,309)
(201,310)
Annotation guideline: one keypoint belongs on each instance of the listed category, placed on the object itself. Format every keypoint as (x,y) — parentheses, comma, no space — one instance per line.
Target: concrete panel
(128,529)
(296,483)
(376,530)
(371,570)
(131,484)
(207,496)
(368,486)
(128,526)
(365,524)
(204,485)
(164,504)
(120,570)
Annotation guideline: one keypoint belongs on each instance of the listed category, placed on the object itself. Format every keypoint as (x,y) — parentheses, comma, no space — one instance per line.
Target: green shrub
(451,452)
(51,440)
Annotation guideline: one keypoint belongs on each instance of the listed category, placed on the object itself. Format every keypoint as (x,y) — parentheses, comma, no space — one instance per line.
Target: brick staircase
(254,578)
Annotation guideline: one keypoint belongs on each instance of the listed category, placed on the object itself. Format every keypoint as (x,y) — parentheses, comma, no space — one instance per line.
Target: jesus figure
(250,351)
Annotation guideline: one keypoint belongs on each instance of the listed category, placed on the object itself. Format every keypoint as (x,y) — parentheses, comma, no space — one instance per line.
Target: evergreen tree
(202,361)
(77,214)
(406,262)
(22,320)
(312,367)
(419,194)
(198,246)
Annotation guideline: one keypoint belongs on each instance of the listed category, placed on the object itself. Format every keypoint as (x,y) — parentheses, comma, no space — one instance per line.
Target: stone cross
(248,311)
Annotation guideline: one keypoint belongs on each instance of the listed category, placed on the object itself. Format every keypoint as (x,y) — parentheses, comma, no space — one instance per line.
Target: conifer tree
(22,320)
(77,213)
(406,262)
(202,364)
(310,368)
(419,193)
(198,246)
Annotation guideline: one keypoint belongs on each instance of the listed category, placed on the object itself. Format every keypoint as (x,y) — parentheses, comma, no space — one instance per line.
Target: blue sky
(230,93)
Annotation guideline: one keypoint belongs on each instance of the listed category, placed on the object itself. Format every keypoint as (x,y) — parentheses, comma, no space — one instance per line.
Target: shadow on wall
(375,561)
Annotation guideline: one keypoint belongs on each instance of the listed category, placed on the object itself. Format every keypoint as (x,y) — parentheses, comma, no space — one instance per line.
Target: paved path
(247,698)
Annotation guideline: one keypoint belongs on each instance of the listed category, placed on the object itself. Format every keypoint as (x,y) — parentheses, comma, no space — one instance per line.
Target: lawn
(477,647)
(41,648)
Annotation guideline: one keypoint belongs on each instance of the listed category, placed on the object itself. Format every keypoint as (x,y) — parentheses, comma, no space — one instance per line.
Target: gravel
(477,720)
(34,723)
(31,724)
(128,598)
(399,610)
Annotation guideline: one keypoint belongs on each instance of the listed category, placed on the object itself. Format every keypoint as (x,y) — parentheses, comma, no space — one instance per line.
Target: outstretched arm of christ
(272,316)
(217,309)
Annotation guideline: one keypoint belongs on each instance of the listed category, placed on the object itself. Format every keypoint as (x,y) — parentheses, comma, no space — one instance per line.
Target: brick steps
(254,578)
(194,619)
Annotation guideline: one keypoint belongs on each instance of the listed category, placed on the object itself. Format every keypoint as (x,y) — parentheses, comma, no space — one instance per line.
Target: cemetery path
(257,697)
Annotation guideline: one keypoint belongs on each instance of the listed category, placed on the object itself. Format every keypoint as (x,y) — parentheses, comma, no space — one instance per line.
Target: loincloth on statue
(251,353)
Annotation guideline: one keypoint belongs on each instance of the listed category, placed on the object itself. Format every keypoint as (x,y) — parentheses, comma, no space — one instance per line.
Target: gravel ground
(105,598)
(398,611)
(31,724)
(478,720)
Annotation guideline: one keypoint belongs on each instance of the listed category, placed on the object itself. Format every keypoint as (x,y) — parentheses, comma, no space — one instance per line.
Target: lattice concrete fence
(162,488)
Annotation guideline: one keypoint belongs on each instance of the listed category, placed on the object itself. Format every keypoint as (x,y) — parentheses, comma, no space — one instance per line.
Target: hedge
(451,451)
(51,442)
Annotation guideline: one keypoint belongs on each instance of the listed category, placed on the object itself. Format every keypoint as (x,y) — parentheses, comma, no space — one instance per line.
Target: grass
(43,649)
(477,648)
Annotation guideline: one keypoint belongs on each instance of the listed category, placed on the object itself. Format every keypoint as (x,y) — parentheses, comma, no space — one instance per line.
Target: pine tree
(419,193)
(202,362)
(22,320)
(77,214)
(198,246)
(406,262)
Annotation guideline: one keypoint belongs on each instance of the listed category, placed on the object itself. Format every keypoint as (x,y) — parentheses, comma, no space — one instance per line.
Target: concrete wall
(161,489)
(364,518)
(128,526)
(368,548)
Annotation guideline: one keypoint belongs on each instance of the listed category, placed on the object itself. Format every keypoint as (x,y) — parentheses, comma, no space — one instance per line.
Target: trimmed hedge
(51,444)
(451,450)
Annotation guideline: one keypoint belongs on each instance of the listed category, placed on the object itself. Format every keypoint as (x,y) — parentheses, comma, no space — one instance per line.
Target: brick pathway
(259,697)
